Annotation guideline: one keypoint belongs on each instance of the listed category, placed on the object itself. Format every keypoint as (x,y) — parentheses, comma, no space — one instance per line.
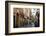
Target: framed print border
(6,17)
